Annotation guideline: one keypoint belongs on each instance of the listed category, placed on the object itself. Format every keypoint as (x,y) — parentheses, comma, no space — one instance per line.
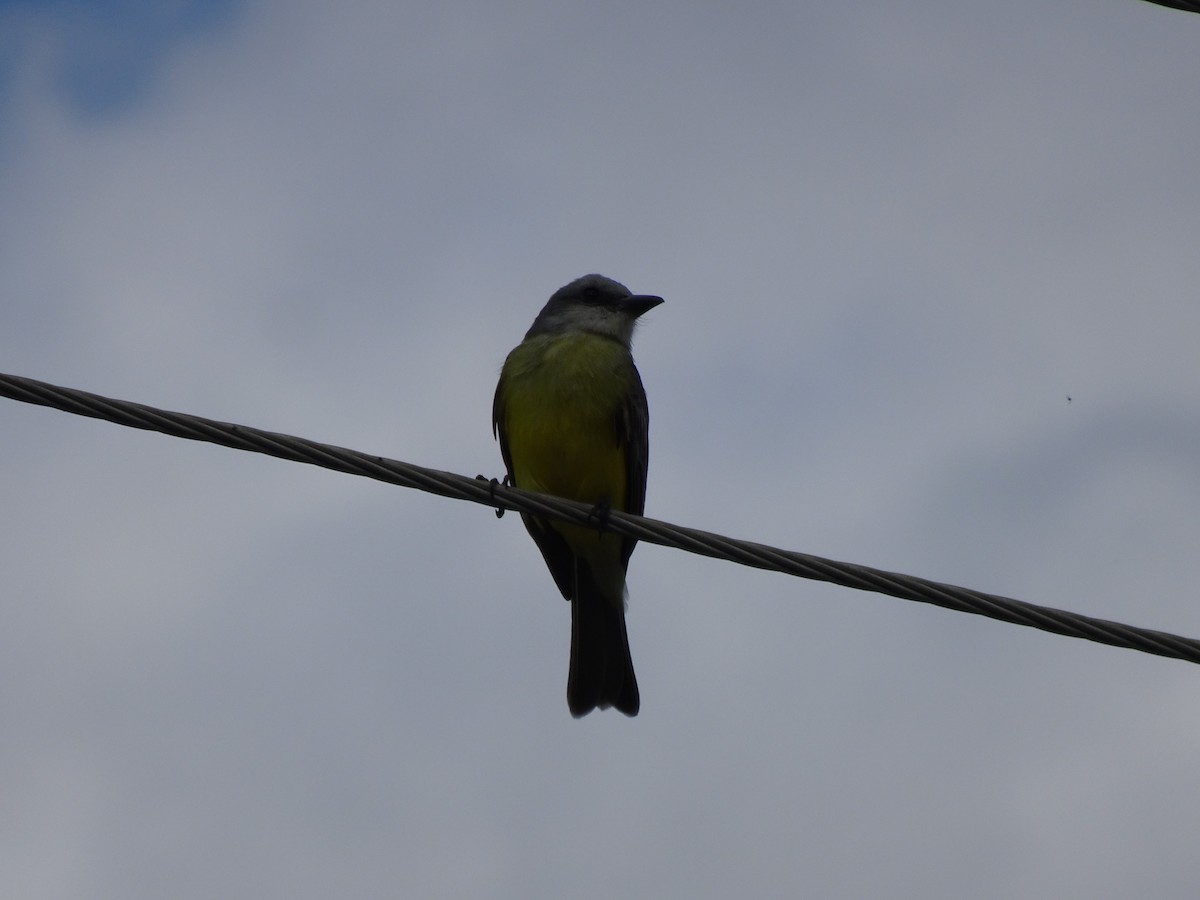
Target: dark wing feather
(498,427)
(633,431)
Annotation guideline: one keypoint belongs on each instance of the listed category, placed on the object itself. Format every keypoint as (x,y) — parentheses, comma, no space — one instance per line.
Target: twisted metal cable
(1184,5)
(499,496)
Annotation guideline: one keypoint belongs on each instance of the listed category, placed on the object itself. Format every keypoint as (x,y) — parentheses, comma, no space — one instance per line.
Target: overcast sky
(931,274)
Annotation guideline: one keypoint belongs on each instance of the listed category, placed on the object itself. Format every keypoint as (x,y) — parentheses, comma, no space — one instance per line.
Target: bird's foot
(506,481)
(599,514)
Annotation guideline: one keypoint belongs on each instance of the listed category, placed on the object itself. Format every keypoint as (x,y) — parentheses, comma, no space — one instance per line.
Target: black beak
(640,303)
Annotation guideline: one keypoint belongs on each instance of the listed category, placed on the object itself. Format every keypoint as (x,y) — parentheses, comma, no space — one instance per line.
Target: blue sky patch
(110,51)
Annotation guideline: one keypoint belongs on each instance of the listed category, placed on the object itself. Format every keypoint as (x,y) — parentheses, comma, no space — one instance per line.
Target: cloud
(891,243)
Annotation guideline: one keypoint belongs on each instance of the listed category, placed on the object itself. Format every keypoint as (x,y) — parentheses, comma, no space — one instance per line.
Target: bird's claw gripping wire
(599,514)
(506,481)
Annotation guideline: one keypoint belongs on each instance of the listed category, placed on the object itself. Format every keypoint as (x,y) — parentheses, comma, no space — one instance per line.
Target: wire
(1185,5)
(499,496)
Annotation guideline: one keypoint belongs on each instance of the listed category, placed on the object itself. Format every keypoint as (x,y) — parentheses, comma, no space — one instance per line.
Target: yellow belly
(562,401)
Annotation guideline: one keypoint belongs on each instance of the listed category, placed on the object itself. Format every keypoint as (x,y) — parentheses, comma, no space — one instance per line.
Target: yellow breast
(562,397)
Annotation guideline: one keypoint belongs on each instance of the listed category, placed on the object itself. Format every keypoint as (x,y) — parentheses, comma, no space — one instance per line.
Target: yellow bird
(570,412)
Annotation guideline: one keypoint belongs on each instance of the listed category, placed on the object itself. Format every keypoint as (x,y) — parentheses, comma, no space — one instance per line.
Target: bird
(571,416)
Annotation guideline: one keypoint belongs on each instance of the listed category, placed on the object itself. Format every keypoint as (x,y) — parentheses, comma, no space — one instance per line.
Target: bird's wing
(498,430)
(633,433)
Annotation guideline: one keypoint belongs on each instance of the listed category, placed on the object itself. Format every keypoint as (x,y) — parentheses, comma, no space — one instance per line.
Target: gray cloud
(892,242)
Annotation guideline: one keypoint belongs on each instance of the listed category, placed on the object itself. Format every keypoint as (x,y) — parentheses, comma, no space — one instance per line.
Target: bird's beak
(640,303)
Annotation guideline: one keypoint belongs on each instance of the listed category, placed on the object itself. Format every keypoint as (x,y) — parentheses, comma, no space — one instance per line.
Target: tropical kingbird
(570,412)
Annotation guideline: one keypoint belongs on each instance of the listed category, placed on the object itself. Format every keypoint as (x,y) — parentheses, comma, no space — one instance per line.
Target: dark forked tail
(601,673)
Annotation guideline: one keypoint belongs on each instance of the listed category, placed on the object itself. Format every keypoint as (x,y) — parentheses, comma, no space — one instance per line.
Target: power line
(499,496)
(1185,5)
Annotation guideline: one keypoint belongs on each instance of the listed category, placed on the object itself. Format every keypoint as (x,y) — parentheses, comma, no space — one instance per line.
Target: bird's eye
(591,295)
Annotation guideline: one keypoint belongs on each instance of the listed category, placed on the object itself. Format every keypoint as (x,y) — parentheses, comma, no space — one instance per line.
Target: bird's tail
(601,672)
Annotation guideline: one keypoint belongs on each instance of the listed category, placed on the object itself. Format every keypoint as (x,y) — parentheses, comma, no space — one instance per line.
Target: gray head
(594,304)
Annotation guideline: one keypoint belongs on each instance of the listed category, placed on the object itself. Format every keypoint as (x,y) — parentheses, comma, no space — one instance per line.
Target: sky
(930,274)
